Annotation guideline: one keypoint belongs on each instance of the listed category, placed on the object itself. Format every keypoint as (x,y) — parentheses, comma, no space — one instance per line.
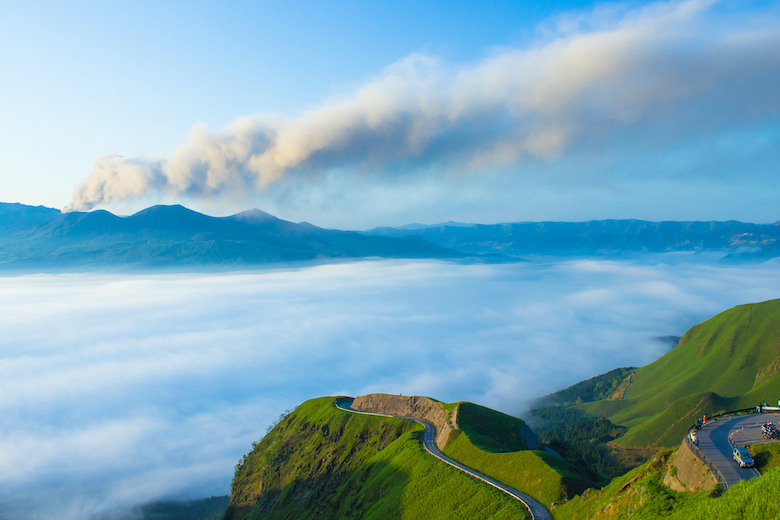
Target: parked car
(743,458)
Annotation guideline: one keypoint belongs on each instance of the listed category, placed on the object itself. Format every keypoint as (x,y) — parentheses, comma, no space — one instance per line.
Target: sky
(358,114)
(123,389)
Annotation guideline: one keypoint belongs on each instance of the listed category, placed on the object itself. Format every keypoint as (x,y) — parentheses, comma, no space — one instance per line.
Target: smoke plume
(664,72)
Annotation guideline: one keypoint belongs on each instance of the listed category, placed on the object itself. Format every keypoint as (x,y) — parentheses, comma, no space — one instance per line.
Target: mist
(117,390)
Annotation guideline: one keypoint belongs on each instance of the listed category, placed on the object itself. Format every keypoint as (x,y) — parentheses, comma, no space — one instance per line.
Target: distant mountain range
(176,237)
(40,238)
(736,240)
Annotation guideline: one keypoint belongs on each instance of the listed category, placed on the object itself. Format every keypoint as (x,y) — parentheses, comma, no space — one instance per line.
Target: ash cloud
(123,389)
(664,75)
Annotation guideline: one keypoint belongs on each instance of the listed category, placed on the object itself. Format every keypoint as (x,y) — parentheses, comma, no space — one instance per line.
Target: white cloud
(121,389)
(629,83)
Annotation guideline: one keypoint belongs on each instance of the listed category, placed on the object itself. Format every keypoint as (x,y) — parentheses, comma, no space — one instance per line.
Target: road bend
(715,442)
(538,511)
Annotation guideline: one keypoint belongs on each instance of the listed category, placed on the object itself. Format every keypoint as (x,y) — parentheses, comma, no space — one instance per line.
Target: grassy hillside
(641,495)
(608,386)
(321,462)
(723,355)
(730,361)
(495,444)
(545,477)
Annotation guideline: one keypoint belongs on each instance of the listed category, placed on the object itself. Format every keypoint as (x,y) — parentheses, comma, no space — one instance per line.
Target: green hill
(322,462)
(641,495)
(728,362)
(493,443)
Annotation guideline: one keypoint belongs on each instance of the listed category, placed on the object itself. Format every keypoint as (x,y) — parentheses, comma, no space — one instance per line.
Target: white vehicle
(743,458)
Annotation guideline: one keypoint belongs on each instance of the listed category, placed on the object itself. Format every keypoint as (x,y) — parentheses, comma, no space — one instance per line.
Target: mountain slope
(321,462)
(17,217)
(343,465)
(729,362)
(642,495)
(174,236)
(496,444)
(601,237)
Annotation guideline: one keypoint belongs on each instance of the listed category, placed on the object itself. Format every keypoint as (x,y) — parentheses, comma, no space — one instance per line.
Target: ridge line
(537,510)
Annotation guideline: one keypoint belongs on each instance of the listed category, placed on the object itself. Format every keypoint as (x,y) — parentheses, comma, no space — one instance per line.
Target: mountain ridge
(177,237)
(343,465)
(738,241)
(173,236)
(730,361)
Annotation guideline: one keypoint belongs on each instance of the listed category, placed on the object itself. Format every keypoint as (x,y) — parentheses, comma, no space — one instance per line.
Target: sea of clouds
(118,389)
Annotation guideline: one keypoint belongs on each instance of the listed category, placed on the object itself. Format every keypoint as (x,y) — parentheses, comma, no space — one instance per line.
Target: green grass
(404,481)
(494,444)
(604,386)
(641,495)
(620,498)
(765,456)
(321,462)
(541,475)
(730,361)
(492,431)
(668,427)
(723,355)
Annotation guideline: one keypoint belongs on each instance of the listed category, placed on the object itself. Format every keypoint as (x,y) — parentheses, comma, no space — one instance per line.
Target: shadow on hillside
(372,491)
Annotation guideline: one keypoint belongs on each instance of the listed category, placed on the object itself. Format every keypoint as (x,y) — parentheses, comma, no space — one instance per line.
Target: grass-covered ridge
(322,462)
(497,445)
(765,456)
(608,386)
(724,363)
(641,495)
(728,362)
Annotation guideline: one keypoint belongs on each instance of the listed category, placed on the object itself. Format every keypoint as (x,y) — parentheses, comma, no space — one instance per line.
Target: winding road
(538,511)
(714,443)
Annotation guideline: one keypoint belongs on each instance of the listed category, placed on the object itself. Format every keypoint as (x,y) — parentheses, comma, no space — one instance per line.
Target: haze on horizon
(354,116)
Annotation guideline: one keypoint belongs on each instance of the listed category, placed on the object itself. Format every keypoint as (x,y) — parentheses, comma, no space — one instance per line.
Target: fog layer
(121,389)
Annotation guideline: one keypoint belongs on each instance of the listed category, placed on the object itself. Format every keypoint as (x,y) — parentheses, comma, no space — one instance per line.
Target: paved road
(538,511)
(630,382)
(714,443)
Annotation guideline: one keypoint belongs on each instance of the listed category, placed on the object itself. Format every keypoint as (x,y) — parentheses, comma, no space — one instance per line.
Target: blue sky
(356,114)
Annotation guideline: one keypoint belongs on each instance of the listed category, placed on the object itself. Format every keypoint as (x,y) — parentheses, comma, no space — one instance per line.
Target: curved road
(714,443)
(538,511)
